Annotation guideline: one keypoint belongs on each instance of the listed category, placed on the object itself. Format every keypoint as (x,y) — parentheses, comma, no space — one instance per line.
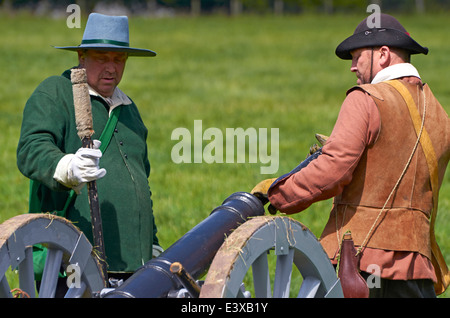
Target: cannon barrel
(195,250)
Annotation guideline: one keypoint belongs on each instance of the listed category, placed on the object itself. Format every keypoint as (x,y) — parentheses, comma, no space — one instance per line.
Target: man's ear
(81,57)
(385,56)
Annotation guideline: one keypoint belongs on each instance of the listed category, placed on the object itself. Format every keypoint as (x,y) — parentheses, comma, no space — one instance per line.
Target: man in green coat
(50,153)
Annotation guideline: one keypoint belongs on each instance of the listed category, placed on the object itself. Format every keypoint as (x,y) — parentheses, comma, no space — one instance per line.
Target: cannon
(195,250)
(235,247)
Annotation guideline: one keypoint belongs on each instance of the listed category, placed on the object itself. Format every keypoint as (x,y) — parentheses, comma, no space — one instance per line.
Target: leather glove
(260,191)
(73,170)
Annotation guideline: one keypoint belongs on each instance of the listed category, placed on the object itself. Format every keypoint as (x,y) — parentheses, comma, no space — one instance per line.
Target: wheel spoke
(5,291)
(309,287)
(261,277)
(76,292)
(51,272)
(26,273)
(283,273)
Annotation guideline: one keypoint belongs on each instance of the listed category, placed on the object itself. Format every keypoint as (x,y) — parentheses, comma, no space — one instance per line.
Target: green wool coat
(49,132)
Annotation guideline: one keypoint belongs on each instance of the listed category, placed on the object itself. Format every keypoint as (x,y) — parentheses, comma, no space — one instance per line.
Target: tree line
(231,7)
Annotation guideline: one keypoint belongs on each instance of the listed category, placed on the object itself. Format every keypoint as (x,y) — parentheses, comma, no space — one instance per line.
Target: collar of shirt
(118,98)
(395,71)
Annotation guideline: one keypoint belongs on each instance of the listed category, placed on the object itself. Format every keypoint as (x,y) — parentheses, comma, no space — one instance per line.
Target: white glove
(157,250)
(73,170)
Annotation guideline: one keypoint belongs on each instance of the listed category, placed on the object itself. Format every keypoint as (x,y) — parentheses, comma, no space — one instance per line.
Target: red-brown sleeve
(357,126)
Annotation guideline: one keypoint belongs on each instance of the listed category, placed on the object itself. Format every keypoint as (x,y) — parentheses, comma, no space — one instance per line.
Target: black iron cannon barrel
(195,250)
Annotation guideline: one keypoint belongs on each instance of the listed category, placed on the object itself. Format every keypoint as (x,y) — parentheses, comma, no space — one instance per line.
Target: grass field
(250,71)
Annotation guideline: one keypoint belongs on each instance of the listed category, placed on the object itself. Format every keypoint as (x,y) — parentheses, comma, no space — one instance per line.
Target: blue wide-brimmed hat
(107,33)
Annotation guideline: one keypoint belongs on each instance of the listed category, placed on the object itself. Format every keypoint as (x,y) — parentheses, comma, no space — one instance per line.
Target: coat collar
(395,71)
(118,98)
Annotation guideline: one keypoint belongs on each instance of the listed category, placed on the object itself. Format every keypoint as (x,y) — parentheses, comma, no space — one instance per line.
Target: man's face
(104,69)
(363,65)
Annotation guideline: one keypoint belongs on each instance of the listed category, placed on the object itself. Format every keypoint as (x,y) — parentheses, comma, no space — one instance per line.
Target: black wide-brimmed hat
(390,33)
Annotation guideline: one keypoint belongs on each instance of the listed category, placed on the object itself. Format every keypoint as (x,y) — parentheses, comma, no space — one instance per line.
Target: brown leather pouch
(353,284)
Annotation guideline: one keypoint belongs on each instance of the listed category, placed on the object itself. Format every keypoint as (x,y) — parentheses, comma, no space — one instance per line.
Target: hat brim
(109,48)
(379,37)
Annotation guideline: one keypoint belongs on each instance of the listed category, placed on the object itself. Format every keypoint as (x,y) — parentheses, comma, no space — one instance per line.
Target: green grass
(250,71)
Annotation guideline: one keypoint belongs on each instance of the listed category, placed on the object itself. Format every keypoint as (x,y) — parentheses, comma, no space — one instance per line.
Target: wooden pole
(83,119)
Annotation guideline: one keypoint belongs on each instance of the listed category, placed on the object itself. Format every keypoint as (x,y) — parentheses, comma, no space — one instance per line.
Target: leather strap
(108,131)
(440,267)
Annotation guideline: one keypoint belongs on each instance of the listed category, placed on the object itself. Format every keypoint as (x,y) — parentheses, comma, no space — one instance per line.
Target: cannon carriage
(228,250)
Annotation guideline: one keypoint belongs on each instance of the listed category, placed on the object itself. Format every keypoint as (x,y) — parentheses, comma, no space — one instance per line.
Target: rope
(398,181)
(338,228)
(19,293)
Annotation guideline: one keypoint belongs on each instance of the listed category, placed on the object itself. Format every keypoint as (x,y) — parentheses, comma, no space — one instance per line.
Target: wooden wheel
(65,244)
(252,244)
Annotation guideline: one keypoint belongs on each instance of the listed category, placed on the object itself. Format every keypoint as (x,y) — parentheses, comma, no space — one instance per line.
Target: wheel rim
(66,246)
(292,244)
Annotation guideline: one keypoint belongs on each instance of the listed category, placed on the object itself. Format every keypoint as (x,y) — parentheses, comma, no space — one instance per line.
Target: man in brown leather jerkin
(384,160)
